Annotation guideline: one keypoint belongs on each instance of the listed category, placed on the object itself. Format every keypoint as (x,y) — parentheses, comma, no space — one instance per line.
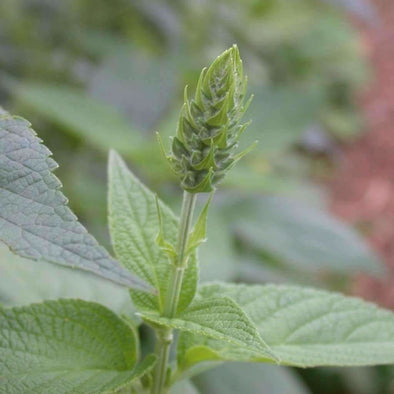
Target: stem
(164,339)
(165,336)
(175,285)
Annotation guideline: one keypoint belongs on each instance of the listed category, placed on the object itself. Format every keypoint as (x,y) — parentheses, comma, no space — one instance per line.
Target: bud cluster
(210,125)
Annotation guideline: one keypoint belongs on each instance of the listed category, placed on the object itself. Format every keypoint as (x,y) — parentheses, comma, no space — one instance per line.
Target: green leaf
(138,83)
(81,115)
(303,327)
(198,234)
(94,122)
(67,346)
(35,221)
(22,283)
(280,116)
(247,378)
(219,318)
(160,239)
(134,225)
(302,237)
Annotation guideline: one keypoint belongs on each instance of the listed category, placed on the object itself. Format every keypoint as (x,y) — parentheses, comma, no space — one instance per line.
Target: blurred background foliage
(94,74)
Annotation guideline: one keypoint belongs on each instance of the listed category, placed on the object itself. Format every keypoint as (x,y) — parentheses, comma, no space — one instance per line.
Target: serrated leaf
(35,221)
(66,346)
(247,378)
(134,226)
(219,318)
(304,327)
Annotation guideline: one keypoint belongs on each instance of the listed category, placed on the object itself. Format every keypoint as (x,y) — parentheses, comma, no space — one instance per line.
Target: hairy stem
(165,336)
(164,339)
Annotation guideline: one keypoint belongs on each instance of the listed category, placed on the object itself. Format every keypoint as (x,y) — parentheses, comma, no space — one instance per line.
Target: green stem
(165,336)
(164,339)
(176,279)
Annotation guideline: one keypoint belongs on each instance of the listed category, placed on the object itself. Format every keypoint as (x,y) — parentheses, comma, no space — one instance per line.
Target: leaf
(22,283)
(160,240)
(280,116)
(35,221)
(219,318)
(67,346)
(249,378)
(302,237)
(303,327)
(81,115)
(134,226)
(198,234)
(93,121)
(137,83)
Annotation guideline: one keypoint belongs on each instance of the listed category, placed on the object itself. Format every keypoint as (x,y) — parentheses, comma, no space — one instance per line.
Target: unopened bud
(209,127)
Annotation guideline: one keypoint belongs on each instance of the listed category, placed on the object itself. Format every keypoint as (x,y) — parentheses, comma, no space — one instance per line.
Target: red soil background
(362,188)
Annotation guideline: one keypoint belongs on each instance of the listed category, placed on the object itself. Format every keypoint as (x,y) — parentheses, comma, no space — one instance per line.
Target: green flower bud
(209,127)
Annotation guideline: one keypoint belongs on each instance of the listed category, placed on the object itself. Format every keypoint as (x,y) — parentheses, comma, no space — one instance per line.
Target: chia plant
(75,346)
